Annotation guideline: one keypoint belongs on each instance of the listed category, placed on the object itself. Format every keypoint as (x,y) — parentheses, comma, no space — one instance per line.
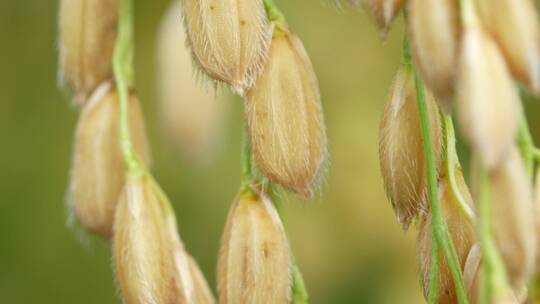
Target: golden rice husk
(514,26)
(229,39)
(285,118)
(254,264)
(142,250)
(401,151)
(488,103)
(434,32)
(512,218)
(98,171)
(87,35)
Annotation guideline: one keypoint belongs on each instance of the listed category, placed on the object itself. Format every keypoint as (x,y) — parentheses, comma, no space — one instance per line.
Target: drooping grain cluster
(469,54)
(245,44)
(126,207)
(266,63)
(238,43)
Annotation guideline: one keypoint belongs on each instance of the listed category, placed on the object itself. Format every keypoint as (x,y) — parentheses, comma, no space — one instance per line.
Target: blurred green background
(347,241)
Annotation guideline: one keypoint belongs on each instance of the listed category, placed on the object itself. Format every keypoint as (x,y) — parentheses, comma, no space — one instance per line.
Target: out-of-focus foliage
(347,242)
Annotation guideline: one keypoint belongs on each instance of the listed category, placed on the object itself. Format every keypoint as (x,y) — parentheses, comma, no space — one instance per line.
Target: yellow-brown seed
(229,39)
(512,218)
(434,32)
(487,100)
(97,173)
(87,35)
(401,151)
(382,11)
(285,118)
(254,263)
(142,250)
(461,232)
(515,27)
(193,116)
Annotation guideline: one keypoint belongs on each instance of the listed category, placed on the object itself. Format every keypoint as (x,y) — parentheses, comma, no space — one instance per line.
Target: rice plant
(469,60)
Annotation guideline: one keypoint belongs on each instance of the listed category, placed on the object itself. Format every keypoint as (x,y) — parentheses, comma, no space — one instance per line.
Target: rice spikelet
(434,32)
(487,101)
(87,35)
(254,263)
(515,27)
(401,150)
(97,172)
(285,118)
(229,39)
(142,251)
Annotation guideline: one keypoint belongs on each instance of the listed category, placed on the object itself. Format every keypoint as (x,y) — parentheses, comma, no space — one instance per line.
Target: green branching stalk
(433,292)
(123,74)
(273,13)
(439,229)
(496,283)
(526,145)
(451,164)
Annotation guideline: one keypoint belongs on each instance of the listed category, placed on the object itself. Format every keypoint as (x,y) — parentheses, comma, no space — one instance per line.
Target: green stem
(451,163)
(274,13)
(123,73)
(433,292)
(536,154)
(439,229)
(526,145)
(299,291)
(494,272)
